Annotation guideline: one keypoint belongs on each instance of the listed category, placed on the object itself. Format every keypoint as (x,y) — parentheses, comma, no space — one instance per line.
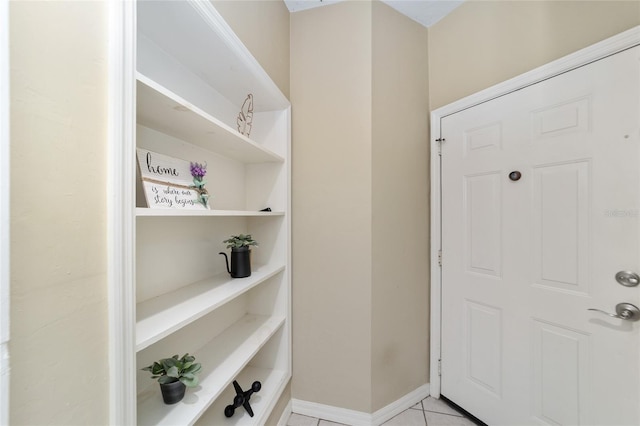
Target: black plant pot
(240,262)
(172,392)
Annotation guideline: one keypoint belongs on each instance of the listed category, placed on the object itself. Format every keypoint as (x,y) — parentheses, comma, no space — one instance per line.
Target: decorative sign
(168,183)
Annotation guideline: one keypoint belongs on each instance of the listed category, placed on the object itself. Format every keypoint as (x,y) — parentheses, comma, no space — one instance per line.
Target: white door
(524,260)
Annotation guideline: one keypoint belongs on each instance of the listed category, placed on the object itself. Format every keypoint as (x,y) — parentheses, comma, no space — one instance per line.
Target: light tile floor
(428,412)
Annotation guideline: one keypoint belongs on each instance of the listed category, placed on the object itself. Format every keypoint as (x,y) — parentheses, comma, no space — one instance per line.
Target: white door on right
(540,210)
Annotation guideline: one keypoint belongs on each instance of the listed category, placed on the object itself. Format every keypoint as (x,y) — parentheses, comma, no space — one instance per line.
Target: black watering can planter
(240,262)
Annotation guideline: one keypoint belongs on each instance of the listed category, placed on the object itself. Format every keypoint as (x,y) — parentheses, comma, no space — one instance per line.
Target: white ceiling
(426,12)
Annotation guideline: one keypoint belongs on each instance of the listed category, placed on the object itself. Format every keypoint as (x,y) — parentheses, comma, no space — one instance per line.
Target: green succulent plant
(242,240)
(169,370)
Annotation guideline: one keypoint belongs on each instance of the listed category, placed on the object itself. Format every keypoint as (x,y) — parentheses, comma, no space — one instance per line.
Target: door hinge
(439,367)
(440,258)
(440,141)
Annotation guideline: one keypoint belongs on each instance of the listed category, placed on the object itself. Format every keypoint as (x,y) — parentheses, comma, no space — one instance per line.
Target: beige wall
(59,334)
(359,91)
(263,26)
(400,110)
(482,43)
(331,94)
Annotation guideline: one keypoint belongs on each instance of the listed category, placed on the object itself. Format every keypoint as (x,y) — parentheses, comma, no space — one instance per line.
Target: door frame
(120,218)
(4,212)
(600,50)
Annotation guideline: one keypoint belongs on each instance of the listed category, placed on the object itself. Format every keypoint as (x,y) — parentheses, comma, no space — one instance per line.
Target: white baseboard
(397,407)
(359,418)
(331,413)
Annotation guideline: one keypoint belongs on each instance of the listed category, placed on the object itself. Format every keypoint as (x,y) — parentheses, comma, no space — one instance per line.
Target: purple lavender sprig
(198,171)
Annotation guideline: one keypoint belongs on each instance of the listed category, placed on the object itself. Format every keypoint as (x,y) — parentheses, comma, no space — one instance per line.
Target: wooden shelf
(222,360)
(273,383)
(164,111)
(196,35)
(163,315)
(193,76)
(147,212)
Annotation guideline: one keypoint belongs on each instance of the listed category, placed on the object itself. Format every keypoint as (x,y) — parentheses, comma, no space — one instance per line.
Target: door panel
(561,233)
(483,251)
(560,364)
(484,343)
(524,260)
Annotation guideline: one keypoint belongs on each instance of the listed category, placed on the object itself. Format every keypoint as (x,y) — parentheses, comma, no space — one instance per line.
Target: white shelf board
(166,112)
(222,360)
(163,315)
(273,383)
(196,35)
(147,212)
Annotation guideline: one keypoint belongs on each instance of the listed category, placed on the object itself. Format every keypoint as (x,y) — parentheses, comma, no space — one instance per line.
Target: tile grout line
(447,414)
(423,412)
(458,414)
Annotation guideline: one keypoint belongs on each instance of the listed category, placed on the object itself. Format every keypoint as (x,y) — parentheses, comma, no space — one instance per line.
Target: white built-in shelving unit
(192,77)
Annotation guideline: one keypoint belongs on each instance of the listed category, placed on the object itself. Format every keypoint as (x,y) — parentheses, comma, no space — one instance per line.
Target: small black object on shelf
(268,209)
(242,398)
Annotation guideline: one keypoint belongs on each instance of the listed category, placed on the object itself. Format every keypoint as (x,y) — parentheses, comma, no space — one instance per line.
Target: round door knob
(515,175)
(628,278)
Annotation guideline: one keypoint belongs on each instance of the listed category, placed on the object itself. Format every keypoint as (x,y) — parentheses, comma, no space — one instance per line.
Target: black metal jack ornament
(242,398)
